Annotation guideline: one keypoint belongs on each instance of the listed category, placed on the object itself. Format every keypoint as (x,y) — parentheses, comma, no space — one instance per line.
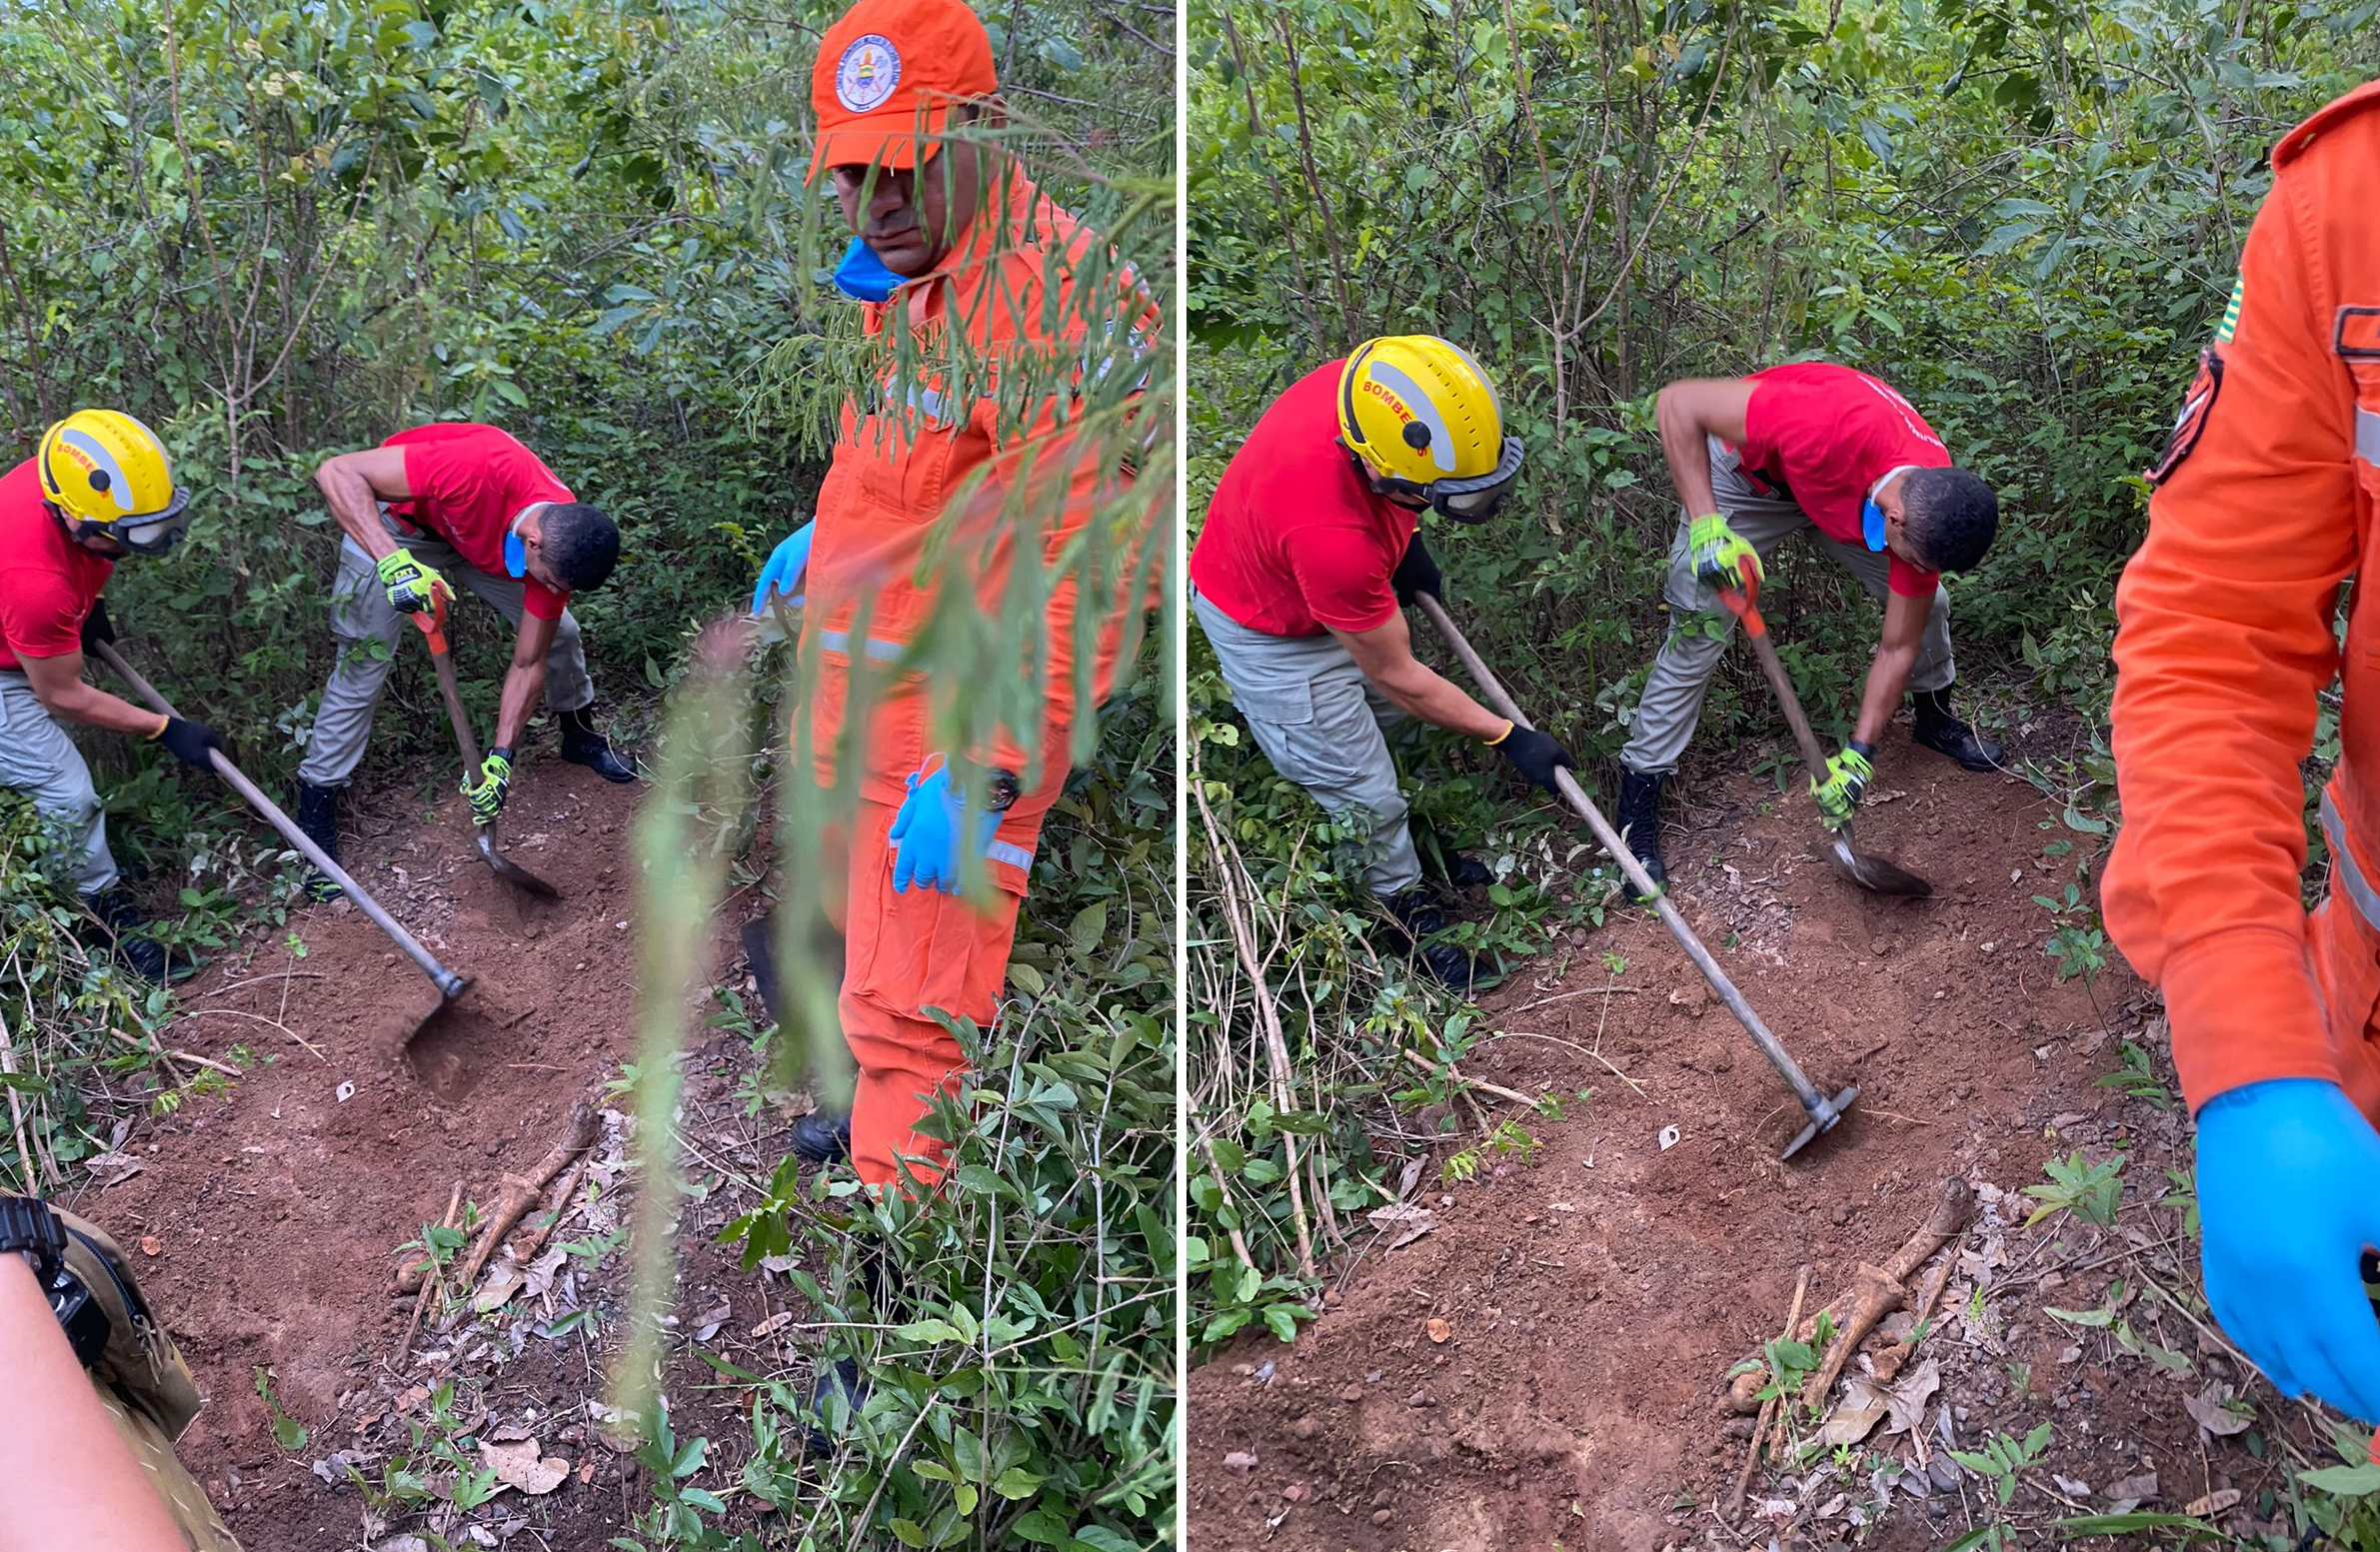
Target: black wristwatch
(30,1229)
(1002,794)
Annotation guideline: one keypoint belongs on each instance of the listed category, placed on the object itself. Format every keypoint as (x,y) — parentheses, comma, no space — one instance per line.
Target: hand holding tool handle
(450,984)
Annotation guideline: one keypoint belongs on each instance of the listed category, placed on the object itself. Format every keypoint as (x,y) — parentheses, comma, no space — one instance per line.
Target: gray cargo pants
(1699,626)
(370,632)
(40,760)
(1324,727)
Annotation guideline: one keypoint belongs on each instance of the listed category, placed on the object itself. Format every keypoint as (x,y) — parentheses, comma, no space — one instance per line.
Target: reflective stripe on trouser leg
(904,953)
(1663,722)
(1314,716)
(40,760)
(2346,876)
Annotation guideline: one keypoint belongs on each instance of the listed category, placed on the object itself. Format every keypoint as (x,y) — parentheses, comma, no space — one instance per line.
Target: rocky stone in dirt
(1438,1330)
(1307,1426)
(1240,1460)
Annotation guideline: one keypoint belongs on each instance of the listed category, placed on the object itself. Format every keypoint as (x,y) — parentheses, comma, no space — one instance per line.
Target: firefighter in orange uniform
(2264,502)
(956,246)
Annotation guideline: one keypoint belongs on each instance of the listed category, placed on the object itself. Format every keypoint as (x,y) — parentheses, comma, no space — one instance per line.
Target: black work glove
(1532,754)
(1417,573)
(189,740)
(97,628)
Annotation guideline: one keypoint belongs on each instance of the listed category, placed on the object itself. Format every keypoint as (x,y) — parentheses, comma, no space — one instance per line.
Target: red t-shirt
(469,482)
(1295,543)
(1828,434)
(47,581)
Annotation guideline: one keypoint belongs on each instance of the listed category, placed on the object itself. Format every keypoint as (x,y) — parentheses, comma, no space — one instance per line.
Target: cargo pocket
(927,949)
(1287,702)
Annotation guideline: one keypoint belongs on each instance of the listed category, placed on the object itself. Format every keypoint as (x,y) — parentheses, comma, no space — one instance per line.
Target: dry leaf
(504,1280)
(1403,1221)
(1866,1403)
(2213,1503)
(518,1465)
(774,1324)
(2129,1493)
(2208,1408)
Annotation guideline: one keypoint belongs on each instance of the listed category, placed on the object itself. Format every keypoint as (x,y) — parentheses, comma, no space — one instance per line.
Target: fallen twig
(1768,1408)
(421,1300)
(520,1193)
(1880,1290)
(1459,1076)
(1584,991)
(1889,1361)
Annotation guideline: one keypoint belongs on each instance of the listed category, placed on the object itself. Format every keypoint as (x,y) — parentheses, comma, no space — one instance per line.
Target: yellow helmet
(105,472)
(1421,416)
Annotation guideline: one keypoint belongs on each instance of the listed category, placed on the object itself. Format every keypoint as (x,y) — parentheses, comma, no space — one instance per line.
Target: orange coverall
(2264,506)
(894,471)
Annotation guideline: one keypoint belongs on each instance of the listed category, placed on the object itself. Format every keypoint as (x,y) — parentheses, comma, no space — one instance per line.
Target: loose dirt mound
(1594,1293)
(275,1210)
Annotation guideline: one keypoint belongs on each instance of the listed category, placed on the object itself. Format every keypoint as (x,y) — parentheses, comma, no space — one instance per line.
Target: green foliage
(2090,1191)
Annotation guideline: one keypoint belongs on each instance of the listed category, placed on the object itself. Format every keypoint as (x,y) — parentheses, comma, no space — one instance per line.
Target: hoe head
(1875,875)
(1823,1116)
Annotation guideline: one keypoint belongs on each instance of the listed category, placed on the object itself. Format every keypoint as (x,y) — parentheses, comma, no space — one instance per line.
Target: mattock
(1823,1112)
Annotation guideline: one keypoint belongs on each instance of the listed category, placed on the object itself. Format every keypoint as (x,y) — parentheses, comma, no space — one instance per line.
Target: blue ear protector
(1871,525)
(516,555)
(864,276)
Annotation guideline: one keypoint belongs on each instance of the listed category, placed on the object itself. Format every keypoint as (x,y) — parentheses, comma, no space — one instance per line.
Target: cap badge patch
(866,73)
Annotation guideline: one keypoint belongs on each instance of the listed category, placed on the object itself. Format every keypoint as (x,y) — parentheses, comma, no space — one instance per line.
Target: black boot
(318,816)
(583,746)
(1470,874)
(1934,727)
(1416,911)
(836,1381)
(123,920)
(1638,821)
(822,1136)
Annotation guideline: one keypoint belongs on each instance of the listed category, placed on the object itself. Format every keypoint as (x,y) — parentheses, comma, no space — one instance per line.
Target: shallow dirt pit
(1595,1288)
(278,1206)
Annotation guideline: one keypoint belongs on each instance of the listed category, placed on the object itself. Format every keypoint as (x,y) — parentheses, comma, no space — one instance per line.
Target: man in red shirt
(472,500)
(1309,548)
(1816,446)
(98,489)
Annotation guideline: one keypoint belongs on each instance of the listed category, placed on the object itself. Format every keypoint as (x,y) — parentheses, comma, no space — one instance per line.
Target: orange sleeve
(2224,637)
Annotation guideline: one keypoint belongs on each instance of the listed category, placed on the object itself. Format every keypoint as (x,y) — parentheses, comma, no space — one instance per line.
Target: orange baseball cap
(888,74)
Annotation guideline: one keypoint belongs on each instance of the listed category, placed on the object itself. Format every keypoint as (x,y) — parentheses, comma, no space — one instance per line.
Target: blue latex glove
(783,573)
(926,831)
(2288,1197)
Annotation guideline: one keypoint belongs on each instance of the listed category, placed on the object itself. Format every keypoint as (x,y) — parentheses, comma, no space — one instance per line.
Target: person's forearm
(524,686)
(1421,691)
(355,505)
(89,705)
(1887,677)
(1685,444)
(72,1480)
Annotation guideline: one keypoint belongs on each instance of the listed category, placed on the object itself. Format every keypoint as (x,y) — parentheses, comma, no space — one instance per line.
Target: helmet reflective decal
(866,73)
(1417,403)
(97,459)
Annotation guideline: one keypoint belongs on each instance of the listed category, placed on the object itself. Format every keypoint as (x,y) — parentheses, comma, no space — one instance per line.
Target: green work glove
(1719,553)
(412,585)
(495,779)
(1846,778)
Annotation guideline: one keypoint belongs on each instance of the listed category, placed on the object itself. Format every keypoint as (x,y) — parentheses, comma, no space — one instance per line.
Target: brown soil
(1596,1293)
(275,1209)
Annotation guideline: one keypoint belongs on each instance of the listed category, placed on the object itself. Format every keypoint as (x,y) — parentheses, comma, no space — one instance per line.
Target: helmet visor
(1480,498)
(153,533)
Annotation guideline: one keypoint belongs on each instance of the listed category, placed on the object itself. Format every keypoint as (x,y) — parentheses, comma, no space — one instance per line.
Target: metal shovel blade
(1822,1119)
(1873,872)
(522,879)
